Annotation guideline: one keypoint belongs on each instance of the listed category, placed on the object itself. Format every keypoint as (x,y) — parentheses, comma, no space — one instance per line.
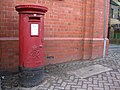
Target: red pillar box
(31,28)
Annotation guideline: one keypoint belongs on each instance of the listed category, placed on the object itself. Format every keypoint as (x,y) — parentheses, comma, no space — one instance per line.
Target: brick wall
(9,55)
(72,31)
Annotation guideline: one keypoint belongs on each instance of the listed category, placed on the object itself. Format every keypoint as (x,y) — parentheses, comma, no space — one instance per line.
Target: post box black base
(30,77)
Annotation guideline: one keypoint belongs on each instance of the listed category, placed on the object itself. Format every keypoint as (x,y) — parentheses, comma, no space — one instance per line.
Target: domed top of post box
(31,9)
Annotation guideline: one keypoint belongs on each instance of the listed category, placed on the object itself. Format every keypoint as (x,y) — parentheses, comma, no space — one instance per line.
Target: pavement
(57,78)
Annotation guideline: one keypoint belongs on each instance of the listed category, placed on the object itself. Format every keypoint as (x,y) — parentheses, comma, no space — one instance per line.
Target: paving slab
(89,71)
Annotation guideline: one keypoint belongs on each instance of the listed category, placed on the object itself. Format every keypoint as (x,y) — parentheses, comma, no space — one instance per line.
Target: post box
(31,44)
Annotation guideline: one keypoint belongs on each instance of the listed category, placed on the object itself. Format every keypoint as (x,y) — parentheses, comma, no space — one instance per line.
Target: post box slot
(34,18)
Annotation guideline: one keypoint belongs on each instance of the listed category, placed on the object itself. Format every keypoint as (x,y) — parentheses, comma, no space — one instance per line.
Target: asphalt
(57,78)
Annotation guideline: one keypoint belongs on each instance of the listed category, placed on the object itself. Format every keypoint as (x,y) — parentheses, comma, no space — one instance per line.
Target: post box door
(33,45)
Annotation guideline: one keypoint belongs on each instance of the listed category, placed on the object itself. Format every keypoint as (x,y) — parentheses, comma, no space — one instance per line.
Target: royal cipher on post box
(31,30)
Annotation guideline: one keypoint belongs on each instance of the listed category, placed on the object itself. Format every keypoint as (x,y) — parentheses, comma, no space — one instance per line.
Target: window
(118,12)
(111,13)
